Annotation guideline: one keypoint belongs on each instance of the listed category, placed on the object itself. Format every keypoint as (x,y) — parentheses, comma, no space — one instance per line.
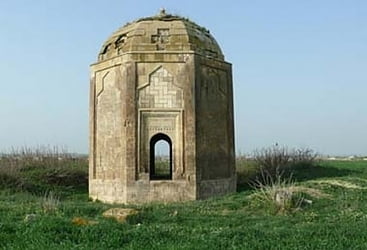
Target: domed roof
(163,32)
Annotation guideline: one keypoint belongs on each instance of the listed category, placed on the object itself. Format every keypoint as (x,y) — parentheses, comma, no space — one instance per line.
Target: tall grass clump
(50,202)
(278,194)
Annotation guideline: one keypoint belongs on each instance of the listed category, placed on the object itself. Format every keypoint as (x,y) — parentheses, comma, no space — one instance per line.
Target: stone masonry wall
(108,121)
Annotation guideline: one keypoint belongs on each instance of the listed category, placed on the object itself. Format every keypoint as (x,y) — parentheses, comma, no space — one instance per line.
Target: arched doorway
(160,157)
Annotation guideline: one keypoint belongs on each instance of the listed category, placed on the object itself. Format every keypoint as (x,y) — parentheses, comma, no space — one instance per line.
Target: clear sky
(299,68)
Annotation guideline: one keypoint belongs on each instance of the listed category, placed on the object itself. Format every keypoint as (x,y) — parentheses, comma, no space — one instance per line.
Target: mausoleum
(161,78)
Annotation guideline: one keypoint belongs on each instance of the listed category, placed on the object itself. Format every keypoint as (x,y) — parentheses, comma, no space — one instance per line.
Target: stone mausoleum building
(161,78)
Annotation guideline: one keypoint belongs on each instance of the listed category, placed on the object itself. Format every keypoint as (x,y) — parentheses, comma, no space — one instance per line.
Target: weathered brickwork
(161,78)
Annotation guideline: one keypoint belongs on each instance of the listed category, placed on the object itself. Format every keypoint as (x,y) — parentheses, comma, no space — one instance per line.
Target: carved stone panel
(160,92)
(168,123)
(108,126)
(161,38)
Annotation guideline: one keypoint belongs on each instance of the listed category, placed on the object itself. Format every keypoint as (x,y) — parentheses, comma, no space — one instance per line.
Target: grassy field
(40,204)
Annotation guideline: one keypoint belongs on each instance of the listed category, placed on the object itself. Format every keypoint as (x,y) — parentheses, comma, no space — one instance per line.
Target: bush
(278,161)
(304,157)
(272,160)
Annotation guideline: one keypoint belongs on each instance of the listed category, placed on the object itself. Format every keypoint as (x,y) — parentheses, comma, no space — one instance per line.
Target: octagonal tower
(161,78)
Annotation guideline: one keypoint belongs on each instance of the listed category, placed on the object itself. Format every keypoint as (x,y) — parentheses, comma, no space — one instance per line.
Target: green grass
(235,221)
(162,167)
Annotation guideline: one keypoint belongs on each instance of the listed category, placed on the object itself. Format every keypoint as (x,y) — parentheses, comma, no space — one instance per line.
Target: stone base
(112,191)
(109,191)
(141,191)
(219,187)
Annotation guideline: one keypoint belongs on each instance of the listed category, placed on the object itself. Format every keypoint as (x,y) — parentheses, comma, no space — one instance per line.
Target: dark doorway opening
(160,157)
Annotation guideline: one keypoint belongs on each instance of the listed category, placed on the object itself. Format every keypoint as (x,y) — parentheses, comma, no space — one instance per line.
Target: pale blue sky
(299,68)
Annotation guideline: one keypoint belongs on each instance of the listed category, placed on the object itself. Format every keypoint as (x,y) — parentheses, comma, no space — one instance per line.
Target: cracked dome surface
(163,32)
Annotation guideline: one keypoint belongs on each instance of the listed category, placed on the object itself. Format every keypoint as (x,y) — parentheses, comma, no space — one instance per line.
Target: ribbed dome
(163,32)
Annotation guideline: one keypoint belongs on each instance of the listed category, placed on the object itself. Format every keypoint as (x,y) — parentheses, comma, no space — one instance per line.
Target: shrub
(272,160)
(278,161)
(303,157)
